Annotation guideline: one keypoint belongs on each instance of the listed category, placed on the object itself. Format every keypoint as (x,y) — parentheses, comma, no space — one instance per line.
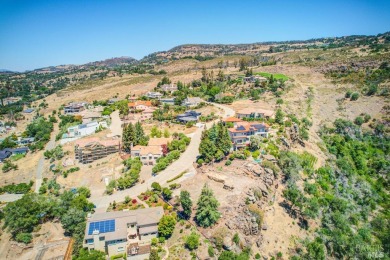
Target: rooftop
(145,150)
(117,222)
(159,141)
(140,103)
(248,111)
(232,119)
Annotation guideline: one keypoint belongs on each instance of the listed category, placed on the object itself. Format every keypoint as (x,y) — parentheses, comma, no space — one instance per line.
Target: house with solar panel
(121,232)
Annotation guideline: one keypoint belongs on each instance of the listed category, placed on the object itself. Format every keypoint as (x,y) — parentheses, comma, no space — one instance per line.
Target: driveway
(185,162)
(10,197)
(116,124)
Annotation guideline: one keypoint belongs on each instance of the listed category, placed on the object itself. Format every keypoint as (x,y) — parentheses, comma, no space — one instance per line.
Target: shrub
(210,250)
(359,120)
(354,96)
(257,256)
(348,94)
(228,162)
(372,90)
(192,241)
(24,237)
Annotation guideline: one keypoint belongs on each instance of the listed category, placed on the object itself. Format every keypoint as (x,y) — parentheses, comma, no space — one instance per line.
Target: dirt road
(50,145)
(185,162)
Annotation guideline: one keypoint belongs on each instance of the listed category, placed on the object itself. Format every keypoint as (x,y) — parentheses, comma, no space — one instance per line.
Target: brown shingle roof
(144,150)
(159,141)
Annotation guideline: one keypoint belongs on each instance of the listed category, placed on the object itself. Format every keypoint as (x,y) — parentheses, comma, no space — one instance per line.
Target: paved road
(50,145)
(185,162)
(10,197)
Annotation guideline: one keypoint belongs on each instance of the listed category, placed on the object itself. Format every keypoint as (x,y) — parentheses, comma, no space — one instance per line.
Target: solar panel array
(103,226)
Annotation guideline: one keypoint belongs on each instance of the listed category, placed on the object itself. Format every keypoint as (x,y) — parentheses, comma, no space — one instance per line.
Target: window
(121,248)
(102,238)
(89,241)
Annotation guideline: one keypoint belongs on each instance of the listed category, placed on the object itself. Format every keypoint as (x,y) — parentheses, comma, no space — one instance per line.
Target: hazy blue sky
(36,33)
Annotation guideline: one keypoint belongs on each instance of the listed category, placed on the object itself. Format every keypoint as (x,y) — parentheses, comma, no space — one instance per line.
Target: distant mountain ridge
(205,51)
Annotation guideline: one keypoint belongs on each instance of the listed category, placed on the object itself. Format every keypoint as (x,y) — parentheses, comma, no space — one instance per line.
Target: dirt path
(50,145)
(116,124)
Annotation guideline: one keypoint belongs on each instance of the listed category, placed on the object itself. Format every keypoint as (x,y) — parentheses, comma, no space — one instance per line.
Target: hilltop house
(160,142)
(188,116)
(170,88)
(140,105)
(91,149)
(119,232)
(79,131)
(254,113)
(146,114)
(192,101)
(75,107)
(242,131)
(25,140)
(253,79)
(154,95)
(169,101)
(147,154)
(10,100)
(8,152)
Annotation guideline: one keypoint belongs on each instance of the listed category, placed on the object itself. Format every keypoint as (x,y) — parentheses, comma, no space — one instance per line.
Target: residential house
(113,100)
(232,119)
(154,95)
(147,154)
(254,113)
(26,140)
(10,100)
(140,105)
(146,114)
(169,101)
(119,232)
(170,88)
(90,115)
(84,129)
(161,142)
(188,116)
(91,149)
(240,134)
(8,152)
(192,101)
(75,107)
(253,79)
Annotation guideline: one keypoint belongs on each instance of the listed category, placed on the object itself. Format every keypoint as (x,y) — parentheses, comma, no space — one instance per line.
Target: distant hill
(5,71)
(207,51)
(113,62)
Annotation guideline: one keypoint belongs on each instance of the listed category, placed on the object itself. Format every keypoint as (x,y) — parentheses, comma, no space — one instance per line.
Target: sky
(38,33)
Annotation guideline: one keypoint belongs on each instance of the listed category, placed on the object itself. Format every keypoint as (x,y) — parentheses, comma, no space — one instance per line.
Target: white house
(154,95)
(78,131)
(192,101)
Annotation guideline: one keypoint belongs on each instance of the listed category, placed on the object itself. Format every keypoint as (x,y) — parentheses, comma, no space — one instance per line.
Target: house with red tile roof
(140,104)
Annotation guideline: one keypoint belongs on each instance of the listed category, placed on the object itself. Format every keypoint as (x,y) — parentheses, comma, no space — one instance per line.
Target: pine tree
(186,203)
(224,143)
(140,138)
(128,137)
(207,213)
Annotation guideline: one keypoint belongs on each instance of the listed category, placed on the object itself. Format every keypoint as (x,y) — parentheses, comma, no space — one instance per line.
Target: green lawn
(277,76)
